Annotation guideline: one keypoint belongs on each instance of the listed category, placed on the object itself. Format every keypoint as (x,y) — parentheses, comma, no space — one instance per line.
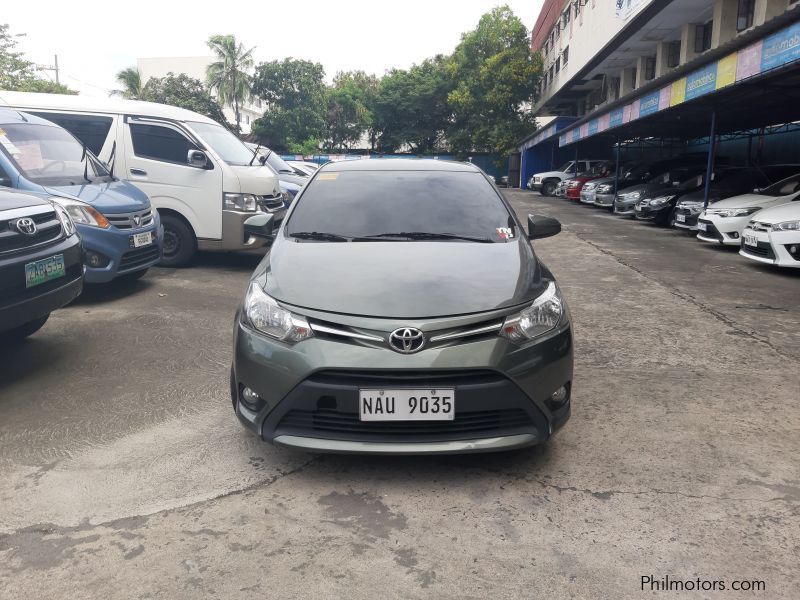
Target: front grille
(139,257)
(757,226)
(48,229)
(477,423)
(128,220)
(271,203)
(764,250)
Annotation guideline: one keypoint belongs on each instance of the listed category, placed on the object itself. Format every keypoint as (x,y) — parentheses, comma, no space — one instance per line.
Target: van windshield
(226,145)
(49,155)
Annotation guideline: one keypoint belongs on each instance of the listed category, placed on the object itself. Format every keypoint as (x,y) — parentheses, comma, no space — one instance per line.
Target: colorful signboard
(726,70)
(781,48)
(650,103)
(701,82)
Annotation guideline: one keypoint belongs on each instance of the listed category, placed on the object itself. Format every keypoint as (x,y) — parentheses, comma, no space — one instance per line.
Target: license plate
(751,240)
(702,226)
(142,239)
(680,218)
(406,404)
(43,270)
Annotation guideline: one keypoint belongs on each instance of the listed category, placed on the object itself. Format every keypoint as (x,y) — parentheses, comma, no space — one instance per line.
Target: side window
(5,179)
(160,143)
(586,167)
(91,130)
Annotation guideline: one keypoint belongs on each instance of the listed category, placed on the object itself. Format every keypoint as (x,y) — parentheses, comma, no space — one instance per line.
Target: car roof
(399,164)
(113,105)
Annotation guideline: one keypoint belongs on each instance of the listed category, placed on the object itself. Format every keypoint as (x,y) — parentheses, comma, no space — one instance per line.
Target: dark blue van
(121,232)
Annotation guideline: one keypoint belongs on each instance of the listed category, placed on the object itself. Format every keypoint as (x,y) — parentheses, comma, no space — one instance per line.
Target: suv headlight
(243,202)
(66,221)
(541,317)
(787,226)
(661,200)
(263,314)
(733,212)
(83,213)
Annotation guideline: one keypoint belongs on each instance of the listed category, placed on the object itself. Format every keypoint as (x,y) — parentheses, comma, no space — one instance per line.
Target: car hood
(255,179)
(747,200)
(552,174)
(293,179)
(11,199)
(778,214)
(410,280)
(110,197)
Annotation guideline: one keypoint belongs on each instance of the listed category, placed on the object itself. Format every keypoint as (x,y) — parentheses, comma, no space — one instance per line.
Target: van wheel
(548,188)
(27,329)
(179,242)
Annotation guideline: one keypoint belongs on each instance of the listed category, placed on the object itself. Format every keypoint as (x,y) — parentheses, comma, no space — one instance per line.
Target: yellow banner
(678,92)
(726,70)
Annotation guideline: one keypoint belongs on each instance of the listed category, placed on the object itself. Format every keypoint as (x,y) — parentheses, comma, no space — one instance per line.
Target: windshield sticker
(505,233)
(30,156)
(327,176)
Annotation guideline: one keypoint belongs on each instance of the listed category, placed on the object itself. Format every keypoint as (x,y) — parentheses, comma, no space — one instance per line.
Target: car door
(155,155)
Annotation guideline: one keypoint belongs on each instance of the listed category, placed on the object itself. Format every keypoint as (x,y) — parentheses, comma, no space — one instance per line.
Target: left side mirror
(197,159)
(260,225)
(541,227)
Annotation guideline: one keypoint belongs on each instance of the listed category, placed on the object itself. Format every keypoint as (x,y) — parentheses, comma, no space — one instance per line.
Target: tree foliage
(18,73)
(131,81)
(185,92)
(229,75)
(349,108)
(295,93)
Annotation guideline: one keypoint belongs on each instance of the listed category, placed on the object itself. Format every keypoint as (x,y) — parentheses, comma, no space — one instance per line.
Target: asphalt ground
(124,474)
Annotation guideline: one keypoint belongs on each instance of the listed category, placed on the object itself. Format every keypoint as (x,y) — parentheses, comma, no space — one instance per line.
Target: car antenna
(112,160)
(255,152)
(21,116)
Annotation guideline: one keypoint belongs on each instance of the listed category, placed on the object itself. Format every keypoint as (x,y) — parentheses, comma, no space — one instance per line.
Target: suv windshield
(401,206)
(227,146)
(49,155)
(783,188)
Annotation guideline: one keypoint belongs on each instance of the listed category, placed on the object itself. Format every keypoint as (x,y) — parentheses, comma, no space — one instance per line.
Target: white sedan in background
(774,236)
(307,168)
(724,221)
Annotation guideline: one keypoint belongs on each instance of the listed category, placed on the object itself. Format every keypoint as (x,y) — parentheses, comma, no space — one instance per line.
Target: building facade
(196,66)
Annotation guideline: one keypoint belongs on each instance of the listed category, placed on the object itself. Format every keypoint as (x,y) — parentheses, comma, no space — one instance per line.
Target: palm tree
(228,75)
(131,81)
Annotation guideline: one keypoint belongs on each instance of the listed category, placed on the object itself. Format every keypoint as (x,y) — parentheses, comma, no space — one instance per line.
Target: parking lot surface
(124,474)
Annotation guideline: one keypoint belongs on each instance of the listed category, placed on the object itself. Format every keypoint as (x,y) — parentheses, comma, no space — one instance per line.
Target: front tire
(26,329)
(180,244)
(548,188)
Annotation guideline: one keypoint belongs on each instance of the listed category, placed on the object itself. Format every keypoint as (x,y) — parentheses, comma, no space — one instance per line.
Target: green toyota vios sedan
(401,309)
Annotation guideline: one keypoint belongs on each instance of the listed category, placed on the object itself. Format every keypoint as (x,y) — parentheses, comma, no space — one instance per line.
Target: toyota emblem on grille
(137,220)
(26,225)
(406,340)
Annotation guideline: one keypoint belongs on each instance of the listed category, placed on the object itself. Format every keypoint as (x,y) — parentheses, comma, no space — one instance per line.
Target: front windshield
(49,155)
(360,204)
(278,164)
(227,146)
(566,167)
(783,188)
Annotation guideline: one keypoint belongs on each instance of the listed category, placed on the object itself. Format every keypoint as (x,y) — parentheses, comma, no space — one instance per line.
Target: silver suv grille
(48,229)
(134,220)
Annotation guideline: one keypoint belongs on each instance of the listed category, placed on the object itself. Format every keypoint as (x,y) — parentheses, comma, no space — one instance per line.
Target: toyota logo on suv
(26,225)
(406,340)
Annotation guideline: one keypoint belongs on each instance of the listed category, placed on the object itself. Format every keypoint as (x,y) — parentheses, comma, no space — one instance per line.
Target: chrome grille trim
(345,333)
(125,220)
(467,332)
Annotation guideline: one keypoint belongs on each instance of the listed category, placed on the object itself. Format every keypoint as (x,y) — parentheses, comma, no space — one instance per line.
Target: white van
(201,177)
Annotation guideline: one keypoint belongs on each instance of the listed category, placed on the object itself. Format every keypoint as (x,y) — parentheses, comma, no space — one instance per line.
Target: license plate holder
(751,240)
(702,226)
(406,404)
(680,218)
(46,269)
(139,240)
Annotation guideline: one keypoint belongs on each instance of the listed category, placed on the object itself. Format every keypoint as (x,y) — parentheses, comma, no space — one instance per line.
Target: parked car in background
(726,184)
(574,186)
(546,182)
(121,233)
(483,364)
(41,263)
(725,221)
(291,180)
(773,236)
(201,178)
(663,183)
(305,168)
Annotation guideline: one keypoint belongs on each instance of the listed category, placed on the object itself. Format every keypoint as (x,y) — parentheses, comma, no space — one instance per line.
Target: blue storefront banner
(649,104)
(781,48)
(701,82)
(593,126)
(616,117)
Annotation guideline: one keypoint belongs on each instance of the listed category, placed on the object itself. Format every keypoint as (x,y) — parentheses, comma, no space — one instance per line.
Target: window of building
(565,57)
(674,54)
(160,143)
(702,37)
(565,18)
(747,10)
(247,119)
(558,64)
(557,32)
(649,68)
(578,7)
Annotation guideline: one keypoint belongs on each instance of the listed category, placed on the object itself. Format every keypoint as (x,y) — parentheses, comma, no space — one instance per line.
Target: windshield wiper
(425,235)
(319,236)
(255,153)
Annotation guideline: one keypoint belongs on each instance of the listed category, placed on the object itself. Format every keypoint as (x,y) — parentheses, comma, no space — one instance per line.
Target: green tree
(295,95)
(18,73)
(229,76)
(185,92)
(131,81)
(495,77)
(411,107)
(349,109)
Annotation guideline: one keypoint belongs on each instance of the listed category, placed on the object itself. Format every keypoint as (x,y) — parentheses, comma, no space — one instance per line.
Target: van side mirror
(197,159)
(541,227)
(260,225)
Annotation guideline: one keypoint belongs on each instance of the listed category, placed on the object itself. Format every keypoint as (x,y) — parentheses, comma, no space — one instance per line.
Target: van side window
(91,130)
(4,178)
(160,143)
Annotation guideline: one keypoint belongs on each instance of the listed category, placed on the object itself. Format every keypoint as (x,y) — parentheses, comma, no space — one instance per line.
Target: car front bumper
(604,200)
(780,248)
(310,393)
(650,213)
(689,222)
(722,230)
(115,251)
(536,186)
(587,197)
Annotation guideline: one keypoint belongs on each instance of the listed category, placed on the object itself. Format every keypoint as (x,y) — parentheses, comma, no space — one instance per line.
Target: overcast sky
(95,39)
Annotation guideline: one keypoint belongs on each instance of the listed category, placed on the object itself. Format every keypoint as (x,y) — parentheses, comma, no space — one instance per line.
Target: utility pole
(53,67)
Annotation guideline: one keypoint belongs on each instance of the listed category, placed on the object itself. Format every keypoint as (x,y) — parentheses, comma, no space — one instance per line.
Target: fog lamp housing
(251,400)
(96,260)
(558,399)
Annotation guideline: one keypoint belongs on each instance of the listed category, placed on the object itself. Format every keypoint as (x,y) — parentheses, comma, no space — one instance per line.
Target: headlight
(66,220)
(604,189)
(542,316)
(787,226)
(631,196)
(84,213)
(263,314)
(661,200)
(733,212)
(243,202)
(537,179)
(573,184)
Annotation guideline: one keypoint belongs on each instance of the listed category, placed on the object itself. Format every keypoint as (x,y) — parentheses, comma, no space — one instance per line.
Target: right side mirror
(541,227)
(197,159)
(260,225)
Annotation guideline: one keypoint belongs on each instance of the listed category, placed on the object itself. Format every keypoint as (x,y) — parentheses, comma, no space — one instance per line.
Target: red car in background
(574,186)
